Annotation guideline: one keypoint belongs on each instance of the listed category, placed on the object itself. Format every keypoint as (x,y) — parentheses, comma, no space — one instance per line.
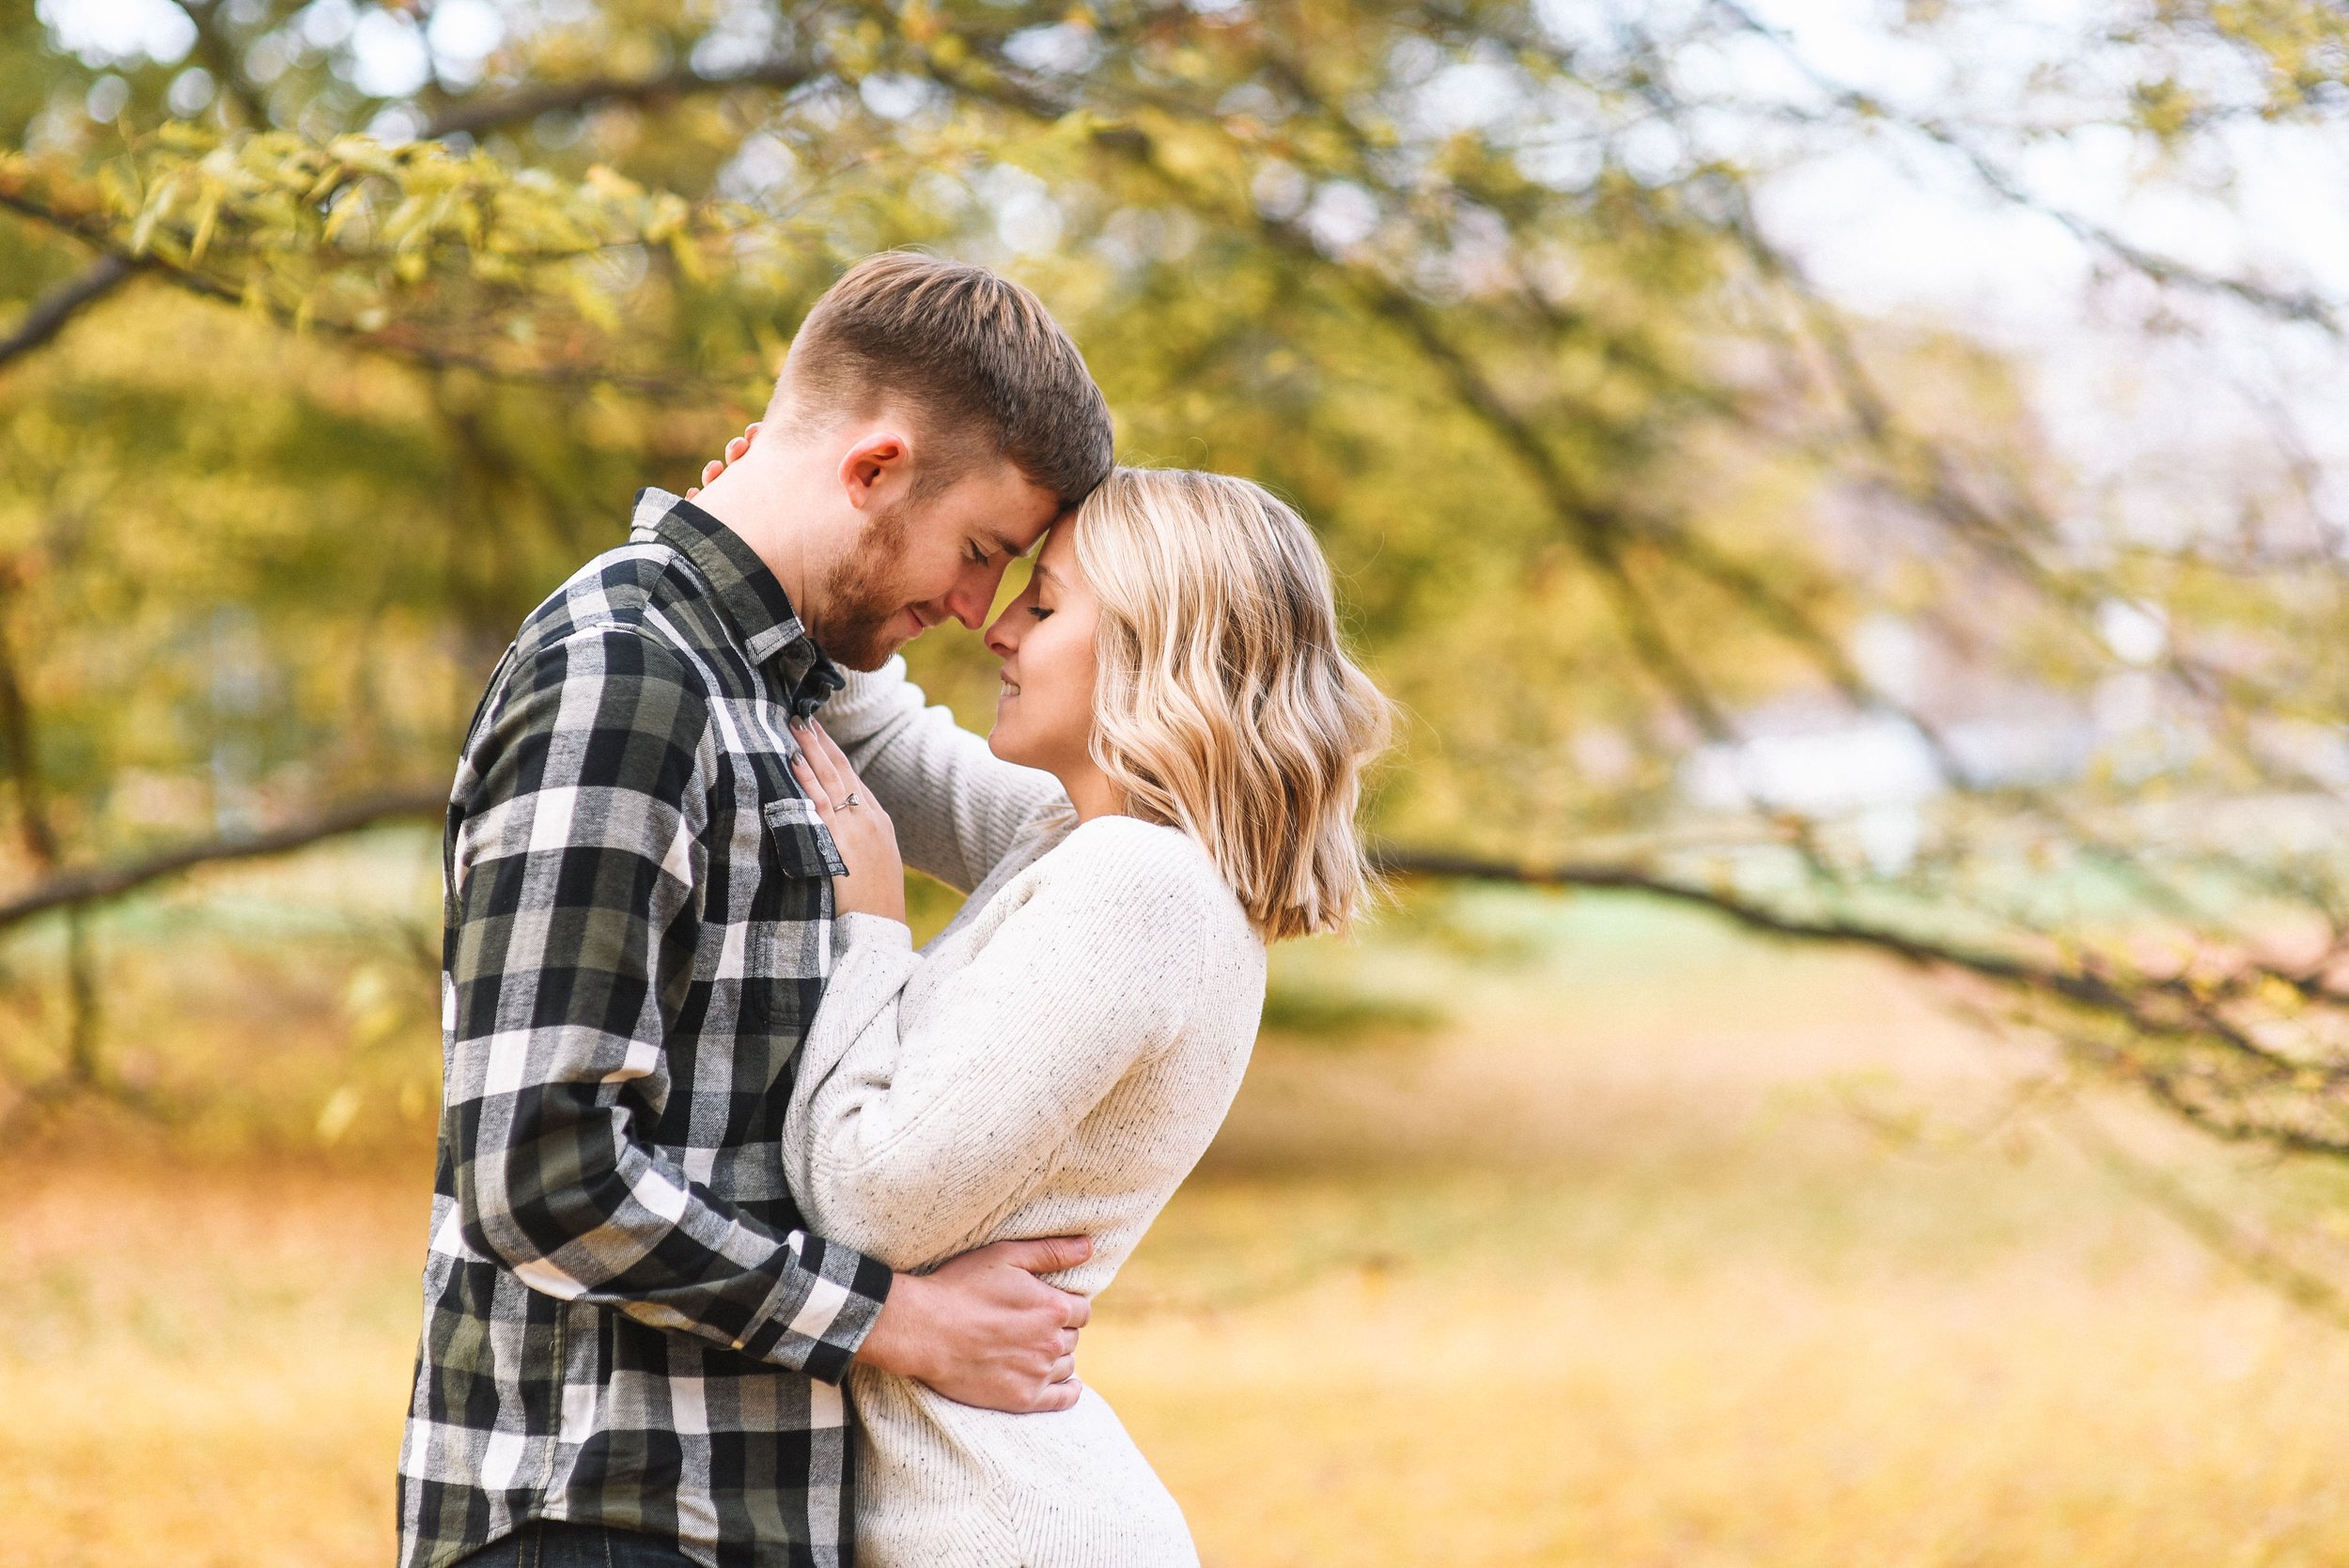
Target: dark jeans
(550,1543)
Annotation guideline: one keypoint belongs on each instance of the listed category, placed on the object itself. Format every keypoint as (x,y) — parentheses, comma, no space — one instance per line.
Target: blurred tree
(343,331)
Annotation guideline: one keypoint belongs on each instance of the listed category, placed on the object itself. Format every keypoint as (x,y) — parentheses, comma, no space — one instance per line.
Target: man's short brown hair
(977,358)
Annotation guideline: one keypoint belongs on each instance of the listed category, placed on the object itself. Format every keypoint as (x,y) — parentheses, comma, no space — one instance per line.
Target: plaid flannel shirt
(625,1322)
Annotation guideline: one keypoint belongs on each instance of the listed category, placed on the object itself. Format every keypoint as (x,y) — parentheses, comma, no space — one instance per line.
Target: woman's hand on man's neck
(774,509)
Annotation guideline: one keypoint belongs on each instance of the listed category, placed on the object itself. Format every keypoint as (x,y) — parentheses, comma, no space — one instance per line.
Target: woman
(1170,783)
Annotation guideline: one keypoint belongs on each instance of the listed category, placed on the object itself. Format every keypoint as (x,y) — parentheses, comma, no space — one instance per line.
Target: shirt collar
(747,595)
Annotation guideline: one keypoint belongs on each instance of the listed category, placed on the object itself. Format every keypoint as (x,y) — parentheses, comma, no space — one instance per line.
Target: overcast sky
(1896,225)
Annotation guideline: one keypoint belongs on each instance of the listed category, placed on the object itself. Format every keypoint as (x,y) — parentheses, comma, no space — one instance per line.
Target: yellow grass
(1597,1276)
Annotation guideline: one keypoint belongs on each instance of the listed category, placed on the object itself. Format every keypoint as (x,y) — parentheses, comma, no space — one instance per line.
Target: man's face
(918,563)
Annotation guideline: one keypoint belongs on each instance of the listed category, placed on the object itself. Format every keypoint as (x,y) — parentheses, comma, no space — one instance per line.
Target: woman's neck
(1089,791)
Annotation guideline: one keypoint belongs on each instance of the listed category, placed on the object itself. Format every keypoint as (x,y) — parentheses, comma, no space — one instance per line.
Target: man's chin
(871,646)
(862,657)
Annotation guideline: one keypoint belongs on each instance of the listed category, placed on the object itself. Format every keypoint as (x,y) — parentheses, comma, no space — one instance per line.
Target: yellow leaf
(2281,995)
(612,185)
(143,231)
(206,217)
(349,207)
(181,136)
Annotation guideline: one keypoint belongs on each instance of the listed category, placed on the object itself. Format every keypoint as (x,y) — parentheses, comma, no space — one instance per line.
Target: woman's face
(1044,716)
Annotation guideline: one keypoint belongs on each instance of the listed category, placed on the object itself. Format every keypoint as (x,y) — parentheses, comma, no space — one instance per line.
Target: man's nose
(973,594)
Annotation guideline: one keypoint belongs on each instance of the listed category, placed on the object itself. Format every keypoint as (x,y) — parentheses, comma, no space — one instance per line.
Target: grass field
(1599,1270)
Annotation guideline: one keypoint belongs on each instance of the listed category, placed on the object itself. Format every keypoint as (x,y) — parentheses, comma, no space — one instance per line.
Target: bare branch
(96,884)
(18,731)
(83,1020)
(22,759)
(1596,531)
(2254,1255)
(2285,304)
(53,310)
(218,53)
(1400,862)
(469,116)
(2172,1008)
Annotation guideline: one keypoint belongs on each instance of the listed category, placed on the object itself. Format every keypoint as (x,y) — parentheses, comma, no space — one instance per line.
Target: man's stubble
(862,596)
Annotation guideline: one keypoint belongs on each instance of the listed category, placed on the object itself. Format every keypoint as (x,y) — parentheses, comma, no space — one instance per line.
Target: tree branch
(218,53)
(99,883)
(1404,861)
(1596,531)
(2304,305)
(427,356)
(2253,1255)
(17,730)
(78,889)
(53,310)
(470,117)
(96,884)
(2131,1000)
(17,737)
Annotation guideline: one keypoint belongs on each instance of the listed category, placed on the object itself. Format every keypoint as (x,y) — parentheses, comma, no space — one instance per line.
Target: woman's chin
(1005,743)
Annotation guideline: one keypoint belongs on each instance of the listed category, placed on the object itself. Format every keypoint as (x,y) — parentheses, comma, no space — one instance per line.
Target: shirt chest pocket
(799,840)
(790,951)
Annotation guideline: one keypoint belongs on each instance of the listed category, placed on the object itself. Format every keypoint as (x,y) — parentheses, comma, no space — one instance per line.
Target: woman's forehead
(1059,554)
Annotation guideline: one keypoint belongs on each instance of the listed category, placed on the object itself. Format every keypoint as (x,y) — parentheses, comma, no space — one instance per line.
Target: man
(631,1346)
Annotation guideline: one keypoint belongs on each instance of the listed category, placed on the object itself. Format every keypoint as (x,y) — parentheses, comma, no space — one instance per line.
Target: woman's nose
(1001,638)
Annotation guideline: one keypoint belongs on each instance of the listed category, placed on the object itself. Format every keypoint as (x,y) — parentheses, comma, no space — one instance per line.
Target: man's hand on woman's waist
(982,1329)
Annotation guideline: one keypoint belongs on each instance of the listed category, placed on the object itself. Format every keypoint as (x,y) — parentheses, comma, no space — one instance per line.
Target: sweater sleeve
(910,1138)
(957,806)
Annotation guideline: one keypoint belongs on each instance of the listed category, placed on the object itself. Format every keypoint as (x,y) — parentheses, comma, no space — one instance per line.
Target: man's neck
(758,508)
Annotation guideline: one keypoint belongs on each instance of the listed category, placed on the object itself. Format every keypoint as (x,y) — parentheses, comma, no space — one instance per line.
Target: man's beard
(862,599)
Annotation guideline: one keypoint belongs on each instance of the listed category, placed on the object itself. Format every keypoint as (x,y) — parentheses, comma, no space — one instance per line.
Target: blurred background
(1850,495)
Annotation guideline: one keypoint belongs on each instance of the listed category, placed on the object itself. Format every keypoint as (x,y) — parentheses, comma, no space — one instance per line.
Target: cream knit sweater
(1052,1064)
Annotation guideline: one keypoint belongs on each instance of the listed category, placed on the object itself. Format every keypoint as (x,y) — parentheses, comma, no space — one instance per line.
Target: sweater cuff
(858,932)
(864,700)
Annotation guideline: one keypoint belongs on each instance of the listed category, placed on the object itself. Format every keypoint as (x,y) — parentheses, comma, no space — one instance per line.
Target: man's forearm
(628,1231)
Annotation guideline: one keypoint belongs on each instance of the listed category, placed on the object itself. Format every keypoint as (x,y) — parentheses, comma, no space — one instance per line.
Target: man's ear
(873,460)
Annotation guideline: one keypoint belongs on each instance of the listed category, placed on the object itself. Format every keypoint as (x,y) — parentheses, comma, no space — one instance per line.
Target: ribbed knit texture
(1053,1064)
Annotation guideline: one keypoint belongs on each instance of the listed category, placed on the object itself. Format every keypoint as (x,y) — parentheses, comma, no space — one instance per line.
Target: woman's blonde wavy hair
(1223,704)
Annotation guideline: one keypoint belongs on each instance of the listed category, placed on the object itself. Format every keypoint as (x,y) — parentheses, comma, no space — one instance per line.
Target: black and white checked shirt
(626,1322)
